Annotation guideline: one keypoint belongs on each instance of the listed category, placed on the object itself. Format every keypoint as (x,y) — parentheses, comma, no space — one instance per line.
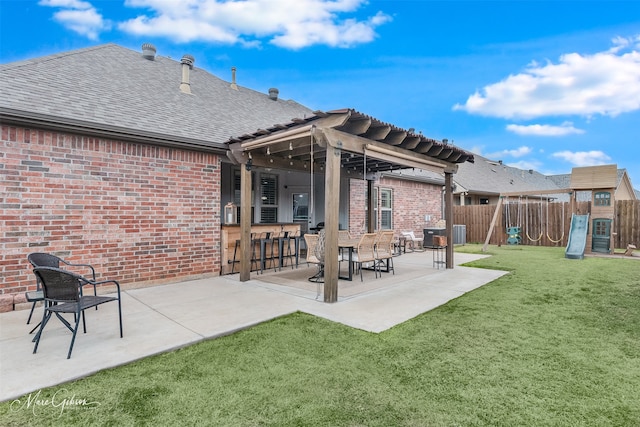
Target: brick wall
(412,200)
(137,213)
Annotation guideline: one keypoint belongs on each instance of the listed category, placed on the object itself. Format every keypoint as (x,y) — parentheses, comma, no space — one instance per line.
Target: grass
(554,343)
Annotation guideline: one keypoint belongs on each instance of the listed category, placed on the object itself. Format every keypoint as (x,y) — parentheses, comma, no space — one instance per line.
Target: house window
(386,209)
(484,201)
(602,198)
(237,192)
(268,198)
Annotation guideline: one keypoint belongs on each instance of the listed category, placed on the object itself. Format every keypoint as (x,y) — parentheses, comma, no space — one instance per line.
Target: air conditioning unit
(459,234)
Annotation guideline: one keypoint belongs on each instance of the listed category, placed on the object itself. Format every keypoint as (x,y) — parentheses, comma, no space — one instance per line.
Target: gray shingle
(491,177)
(109,85)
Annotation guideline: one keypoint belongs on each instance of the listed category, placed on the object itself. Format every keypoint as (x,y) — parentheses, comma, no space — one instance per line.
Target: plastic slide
(577,237)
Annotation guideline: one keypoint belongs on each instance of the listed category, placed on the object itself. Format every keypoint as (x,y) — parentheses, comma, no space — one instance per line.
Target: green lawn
(554,343)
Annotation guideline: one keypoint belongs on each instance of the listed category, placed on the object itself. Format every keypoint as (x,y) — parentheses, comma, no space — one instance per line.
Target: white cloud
(518,152)
(544,130)
(78,16)
(526,165)
(605,83)
(583,158)
(67,4)
(477,149)
(292,24)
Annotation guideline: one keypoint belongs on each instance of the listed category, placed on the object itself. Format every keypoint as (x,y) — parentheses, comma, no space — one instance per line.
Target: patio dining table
(350,245)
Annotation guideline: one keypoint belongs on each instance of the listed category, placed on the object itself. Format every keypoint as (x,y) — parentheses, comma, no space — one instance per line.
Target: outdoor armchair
(41,259)
(365,253)
(384,251)
(415,243)
(63,294)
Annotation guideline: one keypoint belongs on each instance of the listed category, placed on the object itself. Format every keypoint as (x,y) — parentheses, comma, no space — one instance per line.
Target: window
(375,209)
(300,202)
(386,209)
(268,198)
(382,209)
(237,192)
(484,201)
(602,198)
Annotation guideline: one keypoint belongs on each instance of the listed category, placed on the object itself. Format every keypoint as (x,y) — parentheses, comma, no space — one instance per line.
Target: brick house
(121,159)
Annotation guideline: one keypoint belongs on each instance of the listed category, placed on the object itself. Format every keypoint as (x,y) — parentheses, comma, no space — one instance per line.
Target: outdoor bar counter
(229,233)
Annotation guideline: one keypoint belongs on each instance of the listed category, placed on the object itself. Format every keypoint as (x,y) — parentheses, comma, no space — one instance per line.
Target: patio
(164,318)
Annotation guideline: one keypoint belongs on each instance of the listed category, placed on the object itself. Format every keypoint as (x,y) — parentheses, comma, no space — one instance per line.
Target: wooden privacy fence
(627,223)
(542,223)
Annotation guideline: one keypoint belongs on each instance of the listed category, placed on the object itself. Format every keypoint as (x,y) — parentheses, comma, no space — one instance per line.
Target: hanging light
(268,151)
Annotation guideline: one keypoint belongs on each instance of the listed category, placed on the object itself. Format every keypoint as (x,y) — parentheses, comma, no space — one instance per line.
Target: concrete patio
(162,318)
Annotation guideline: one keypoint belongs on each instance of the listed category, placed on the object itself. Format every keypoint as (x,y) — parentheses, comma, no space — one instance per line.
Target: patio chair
(365,253)
(311,241)
(384,251)
(63,294)
(344,235)
(415,243)
(41,259)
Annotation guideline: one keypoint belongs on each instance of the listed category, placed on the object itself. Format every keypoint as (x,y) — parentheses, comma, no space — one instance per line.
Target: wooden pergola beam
(331,215)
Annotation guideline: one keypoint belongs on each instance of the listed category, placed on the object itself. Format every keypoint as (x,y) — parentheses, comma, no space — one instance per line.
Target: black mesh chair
(41,259)
(63,294)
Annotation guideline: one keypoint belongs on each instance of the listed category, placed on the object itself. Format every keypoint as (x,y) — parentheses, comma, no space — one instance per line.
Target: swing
(527,226)
(548,236)
(513,231)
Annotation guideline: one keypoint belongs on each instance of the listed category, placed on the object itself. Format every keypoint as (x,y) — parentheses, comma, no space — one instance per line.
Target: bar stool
(235,252)
(266,241)
(255,257)
(285,248)
(255,241)
(277,243)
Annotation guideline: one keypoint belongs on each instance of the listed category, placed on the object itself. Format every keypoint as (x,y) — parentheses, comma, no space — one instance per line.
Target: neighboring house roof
(490,177)
(420,175)
(112,90)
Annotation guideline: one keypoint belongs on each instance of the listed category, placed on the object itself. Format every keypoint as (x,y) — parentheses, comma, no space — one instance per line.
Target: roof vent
(273,93)
(233,78)
(149,51)
(187,64)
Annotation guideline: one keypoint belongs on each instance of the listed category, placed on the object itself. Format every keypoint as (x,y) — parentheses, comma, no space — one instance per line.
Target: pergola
(334,141)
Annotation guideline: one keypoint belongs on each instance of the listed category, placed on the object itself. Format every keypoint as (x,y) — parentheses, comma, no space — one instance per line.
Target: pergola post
(331,217)
(245,222)
(448,215)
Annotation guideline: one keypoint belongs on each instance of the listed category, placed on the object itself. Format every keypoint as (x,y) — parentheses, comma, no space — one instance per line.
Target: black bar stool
(285,248)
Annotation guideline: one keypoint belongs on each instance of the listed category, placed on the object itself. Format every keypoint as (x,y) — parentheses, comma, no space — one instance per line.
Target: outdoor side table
(439,256)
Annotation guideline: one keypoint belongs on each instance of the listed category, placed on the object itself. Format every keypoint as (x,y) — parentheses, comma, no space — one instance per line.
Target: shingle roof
(491,177)
(112,87)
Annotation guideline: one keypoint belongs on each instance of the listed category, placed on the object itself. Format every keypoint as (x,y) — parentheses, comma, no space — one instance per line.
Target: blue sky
(546,85)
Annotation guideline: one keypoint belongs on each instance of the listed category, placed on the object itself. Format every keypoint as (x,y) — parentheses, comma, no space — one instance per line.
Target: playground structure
(589,232)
